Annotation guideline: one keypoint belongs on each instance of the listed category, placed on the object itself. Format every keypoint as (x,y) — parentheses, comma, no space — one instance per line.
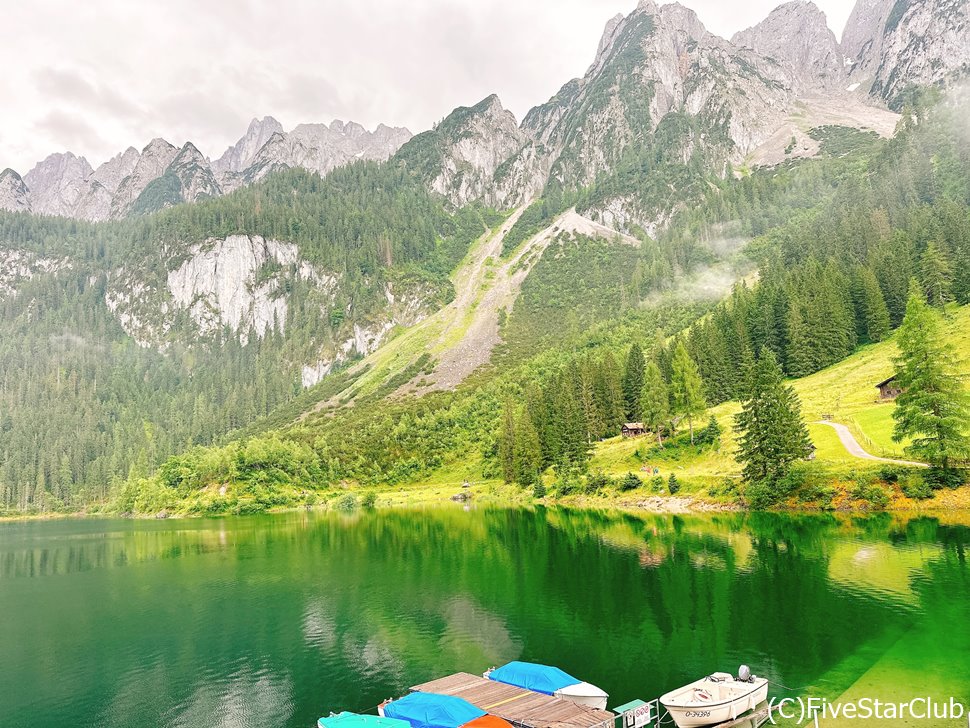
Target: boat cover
(355,720)
(427,710)
(528,675)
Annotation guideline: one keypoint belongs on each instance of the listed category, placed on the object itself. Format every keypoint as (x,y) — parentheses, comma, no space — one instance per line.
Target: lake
(276,620)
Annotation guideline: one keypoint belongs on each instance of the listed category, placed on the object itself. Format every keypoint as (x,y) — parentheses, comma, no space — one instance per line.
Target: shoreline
(944,502)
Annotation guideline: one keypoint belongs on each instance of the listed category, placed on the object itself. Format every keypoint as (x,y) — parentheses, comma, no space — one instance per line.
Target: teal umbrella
(355,720)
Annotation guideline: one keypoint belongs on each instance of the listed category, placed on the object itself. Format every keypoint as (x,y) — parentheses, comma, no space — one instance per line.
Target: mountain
(894,45)
(797,36)
(162,175)
(14,195)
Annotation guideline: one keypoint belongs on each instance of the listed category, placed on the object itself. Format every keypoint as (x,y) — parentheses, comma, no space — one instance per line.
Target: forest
(835,242)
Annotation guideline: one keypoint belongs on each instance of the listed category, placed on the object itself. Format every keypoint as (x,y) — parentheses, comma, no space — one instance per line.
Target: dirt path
(855,449)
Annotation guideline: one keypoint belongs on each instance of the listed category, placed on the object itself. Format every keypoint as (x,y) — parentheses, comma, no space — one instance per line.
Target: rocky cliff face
(476,153)
(240,155)
(57,183)
(894,44)
(17,266)
(13,192)
(797,36)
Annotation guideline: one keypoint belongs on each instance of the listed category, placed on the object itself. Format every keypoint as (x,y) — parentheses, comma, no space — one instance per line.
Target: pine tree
(527,452)
(874,315)
(800,356)
(506,443)
(933,408)
(610,393)
(686,387)
(654,401)
(771,433)
(633,382)
(935,275)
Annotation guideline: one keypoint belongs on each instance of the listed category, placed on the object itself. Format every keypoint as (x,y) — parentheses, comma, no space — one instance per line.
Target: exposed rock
(461,157)
(151,164)
(96,199)
(17,266)
(321,148)
(57,183)
(240,155)
(13,192)
(235,284)
(188,178)
(797,35)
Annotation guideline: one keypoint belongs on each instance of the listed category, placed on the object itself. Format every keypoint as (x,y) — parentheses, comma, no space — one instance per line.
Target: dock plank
(523,708)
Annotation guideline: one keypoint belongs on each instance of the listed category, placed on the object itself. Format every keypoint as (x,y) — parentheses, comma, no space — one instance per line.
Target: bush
(630,481)
(346,503)
(710,434)
(673,485)
(726,487)
(369,499)
(915,487)
(760,495)
(938,478)
(596,482)
(872,493)
(539,489)
(657,483)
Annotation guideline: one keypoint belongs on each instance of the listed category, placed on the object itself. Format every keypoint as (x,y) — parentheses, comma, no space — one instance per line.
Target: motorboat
(717,698)
(549,681)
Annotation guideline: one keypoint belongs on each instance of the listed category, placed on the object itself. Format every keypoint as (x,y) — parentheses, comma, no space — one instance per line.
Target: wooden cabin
(889,389)
(633,429)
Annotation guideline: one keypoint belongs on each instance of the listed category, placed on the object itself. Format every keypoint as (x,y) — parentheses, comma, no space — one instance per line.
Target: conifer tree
(611,394)
(874,314)
(686,387)
(527,454)
(935,275)
(633,382)
(934,408)
(654,401)
(506,443)
(801,357)
(771,433)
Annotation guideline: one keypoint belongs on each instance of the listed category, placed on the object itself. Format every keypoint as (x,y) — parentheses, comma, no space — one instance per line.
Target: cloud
(125,72)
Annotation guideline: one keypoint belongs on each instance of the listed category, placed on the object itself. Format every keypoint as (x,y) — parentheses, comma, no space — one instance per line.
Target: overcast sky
(97,76)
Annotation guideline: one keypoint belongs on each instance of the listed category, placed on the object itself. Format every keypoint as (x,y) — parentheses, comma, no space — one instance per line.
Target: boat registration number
(698,714)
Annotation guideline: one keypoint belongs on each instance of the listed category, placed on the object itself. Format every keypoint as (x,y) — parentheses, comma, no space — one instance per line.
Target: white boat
(548,681)
(584,694)
(715,699)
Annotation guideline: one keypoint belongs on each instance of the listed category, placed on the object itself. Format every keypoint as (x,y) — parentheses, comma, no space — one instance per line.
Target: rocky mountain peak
(796,35)
(13,192)
(240,155)
(57,183)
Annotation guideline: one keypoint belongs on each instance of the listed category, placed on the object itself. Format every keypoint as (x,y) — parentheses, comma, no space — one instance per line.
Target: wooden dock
(523,708)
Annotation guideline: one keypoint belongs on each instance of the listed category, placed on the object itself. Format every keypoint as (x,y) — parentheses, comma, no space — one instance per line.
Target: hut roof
(887,381)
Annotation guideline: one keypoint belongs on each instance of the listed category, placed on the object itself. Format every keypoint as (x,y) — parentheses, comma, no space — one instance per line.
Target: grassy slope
(845,390)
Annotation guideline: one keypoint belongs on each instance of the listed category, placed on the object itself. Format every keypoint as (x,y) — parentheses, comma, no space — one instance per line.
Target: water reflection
(274,620)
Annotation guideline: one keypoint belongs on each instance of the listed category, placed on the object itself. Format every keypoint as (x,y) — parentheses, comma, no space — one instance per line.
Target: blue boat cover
(428,710)
(355,720)
(538,678)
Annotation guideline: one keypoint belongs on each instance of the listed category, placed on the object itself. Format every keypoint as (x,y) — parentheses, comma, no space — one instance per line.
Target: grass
(846,391)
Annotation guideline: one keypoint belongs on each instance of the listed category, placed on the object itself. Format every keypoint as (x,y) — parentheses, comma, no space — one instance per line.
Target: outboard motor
(744,673)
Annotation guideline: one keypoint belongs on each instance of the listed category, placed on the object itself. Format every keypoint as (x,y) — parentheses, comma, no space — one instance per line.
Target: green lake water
(276,620)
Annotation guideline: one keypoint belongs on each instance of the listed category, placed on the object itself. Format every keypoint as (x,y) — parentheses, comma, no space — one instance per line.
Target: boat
(715,699)
(346,719)
(431,710)
(549,681)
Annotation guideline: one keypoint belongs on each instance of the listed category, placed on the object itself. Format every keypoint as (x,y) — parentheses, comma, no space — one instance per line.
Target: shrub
(596,482)
(915,487)
(630,481)
(673,485)
(346,503)
(369,499)
(710,434)
(657,483)
(726,487)
(938,478)
(539,489)
(872,493)
(760,495)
